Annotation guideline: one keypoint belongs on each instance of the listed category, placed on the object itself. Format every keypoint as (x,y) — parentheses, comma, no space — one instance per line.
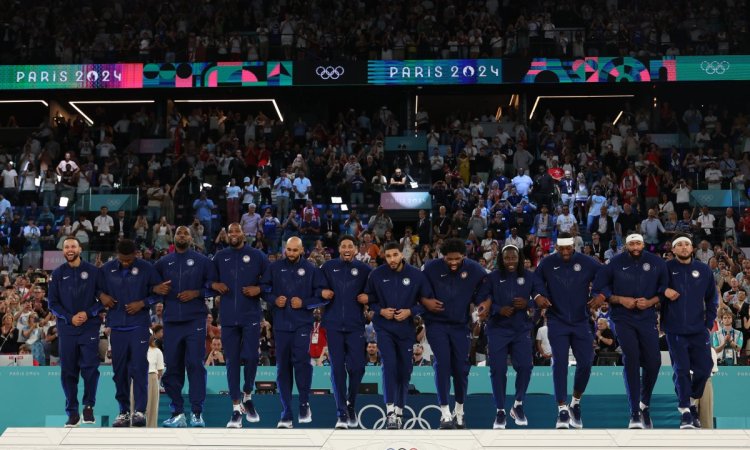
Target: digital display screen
(714,68)
(72,76)
(444,71)
(406,200)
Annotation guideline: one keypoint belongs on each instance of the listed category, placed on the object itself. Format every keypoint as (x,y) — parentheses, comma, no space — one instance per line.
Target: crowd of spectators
(521,185)
(74,31)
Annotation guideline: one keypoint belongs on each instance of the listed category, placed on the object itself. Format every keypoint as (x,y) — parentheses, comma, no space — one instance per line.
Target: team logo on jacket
(406,281)
(464,274)
(134,271)
(190,262)
(521,281)
(246,259)
(577,267)
(695,274)
(646,267)
(301,272)
(354,271)
(84,275)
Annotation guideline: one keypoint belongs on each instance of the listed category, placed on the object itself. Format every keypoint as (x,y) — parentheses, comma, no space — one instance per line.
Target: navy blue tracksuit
(72,290)
(185,326)
(636,329)
(566,285)
(448,331)
(686,322)
(130,333)
(344,322)
(508,334)
(240,315)
(389,288)
(291,326)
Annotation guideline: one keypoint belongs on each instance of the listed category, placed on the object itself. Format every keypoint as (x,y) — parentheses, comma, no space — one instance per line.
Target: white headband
(633,237)
(681,239)
(506,247)
(565,242)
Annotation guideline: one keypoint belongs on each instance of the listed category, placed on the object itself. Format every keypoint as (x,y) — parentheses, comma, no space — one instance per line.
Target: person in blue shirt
(204,207)
(455,281)
(633,282)
(293,288)
(187,277)
(239,269)
(126,286)
(344,322)
(687,315)
(561,284)
(394,292)
(72,299)
(508,289)
(595,203)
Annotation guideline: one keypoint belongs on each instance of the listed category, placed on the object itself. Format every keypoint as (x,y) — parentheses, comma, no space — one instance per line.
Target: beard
(181,245)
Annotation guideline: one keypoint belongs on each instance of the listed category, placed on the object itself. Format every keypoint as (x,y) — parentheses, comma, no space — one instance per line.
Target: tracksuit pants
(396,354)
(185,348)
(293,363)
(129,364)
(500,343)
(346,352)
(690,352)
(450,344)
(563,337)
(241,344)
(79,355)
(640,350)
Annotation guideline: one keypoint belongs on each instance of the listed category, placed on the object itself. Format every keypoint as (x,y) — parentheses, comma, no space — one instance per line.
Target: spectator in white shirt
(103,228)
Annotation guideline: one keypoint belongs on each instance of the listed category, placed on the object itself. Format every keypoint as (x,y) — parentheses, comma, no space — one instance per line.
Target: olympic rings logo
(410,424)
(715,67)
(329,72)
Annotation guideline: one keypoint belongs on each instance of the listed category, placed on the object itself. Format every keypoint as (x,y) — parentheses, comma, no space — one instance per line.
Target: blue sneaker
(196,420)
(695,416)
(352,421)
(500,420)
(176,421)
(636,421)
(285,424)
(236,420)
(646,418)
(305,414)
(575,417)
(250,413)
(563,419)
(686,421)
(519,416)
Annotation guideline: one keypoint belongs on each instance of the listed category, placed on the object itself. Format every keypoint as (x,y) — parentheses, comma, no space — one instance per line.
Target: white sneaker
(341,424)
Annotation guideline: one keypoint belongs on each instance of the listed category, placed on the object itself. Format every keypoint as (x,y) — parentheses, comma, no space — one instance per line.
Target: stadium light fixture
(618,117)
(344,208)
(75,103)
(64,202)
(536,102)
(239,100)
(26,101)
(336,200)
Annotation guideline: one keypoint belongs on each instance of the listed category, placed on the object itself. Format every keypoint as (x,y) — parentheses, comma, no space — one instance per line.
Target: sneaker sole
(201,425)
(73,425)
(352,425)
(252,419)
(177,425)
(562,426)
(306,420)
(234,425)
(635,426)
(520,423)
(284,427)
(341,427)
(86,422)
(576,425)
(687,427)
(498,427)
